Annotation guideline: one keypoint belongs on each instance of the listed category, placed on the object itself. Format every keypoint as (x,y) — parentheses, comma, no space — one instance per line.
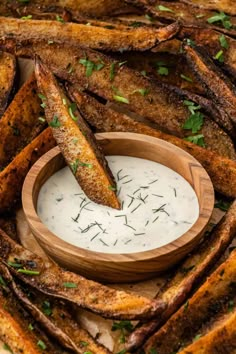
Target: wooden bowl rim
(46,237)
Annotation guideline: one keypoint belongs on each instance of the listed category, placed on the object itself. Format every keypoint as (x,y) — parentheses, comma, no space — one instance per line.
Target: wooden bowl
(129,267)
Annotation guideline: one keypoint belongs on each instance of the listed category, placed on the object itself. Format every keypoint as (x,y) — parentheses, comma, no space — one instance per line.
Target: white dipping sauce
(158,206)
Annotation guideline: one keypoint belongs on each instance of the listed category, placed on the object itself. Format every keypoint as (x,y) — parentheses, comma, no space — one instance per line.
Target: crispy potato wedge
(210,300)
(8,224)
(188,274)
(219,87)
(222,335)
(153,101)
(227,6)
(76,142)
(221,170)
(55,317)
(185,13)
(52,280)
(20,124)
(12,176)
(8,74)
(102,38)
(210,40)
(15,324)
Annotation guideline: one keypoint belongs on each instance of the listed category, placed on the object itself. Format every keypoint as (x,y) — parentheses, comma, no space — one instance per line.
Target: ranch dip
(158,206)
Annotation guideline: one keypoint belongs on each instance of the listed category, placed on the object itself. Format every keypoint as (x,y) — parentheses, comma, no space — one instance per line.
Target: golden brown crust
(151,100)
(219,87)
(20,124)
(227,6)
(76,142)
(221,170)
(8,75)
(101,38)
(188,274)
(93,296)
(12,176)
(211,299)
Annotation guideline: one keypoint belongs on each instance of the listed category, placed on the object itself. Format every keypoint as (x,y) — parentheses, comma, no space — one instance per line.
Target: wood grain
(121,267)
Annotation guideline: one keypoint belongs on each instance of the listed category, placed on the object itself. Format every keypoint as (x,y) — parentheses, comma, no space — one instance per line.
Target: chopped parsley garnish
(41,96)
(2,281)
(120,99)
(221,17)
(6,347)
(83,344)
(196,139)
(72,110)
(222,205)
(41,345)
(124,351)
(28,272)
(112,71)
(123,326)
(112,188)
(142,92)
(77,163)
(55,122)
(59,19)
(191,106)
(149,18)
(162,70)
(164,8)
(29,17)
(91,66)
(70,285)
(30,327)
(230,306)
(14,265)
(153,351)
(186,78)
(46,308)
(219,56)
(223,41)
(42,119)
(190,42)
(198,336)
(194,122)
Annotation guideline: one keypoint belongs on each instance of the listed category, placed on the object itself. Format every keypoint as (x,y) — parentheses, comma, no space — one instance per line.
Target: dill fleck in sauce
(158,206)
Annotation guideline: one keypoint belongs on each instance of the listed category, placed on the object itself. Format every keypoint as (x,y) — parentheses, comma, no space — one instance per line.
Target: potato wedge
(8,74)
(76,142)
(12,176)
(151,100)
(52,280)
(15,327)
(188,275)
(222,335)
(219,87)
(102,38)
(185,13)
(221,170)
(210,300)
(20,124)
(227,6)
(55,317)
(210,40)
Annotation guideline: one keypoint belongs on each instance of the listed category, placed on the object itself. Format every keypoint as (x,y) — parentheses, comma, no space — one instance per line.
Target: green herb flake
(74,166)
(142,92)
(83,344)
(42,119)
(46,308)
(112,188)
(91,66)
(70,285)
(149,18)
(222,205)
(30,327)
(219,56)
(230,306)
(127,325)
(6,347)
(120,99)
(28,272)
(190,42)
(87,353)
(144,73)
(223,41)
(192,107)
(221,17)
(164,8)
(29,17)
(186,78)
(198,336)
(2,281)
(194,122)
(112,71)
(196,139)
(75,141)
(162,70)
(24,1)
(122,63)
(59,19)
(55,122)
(199,16)
(124,351)
(41,96)
(41,345)
(50,42)
(153,351)
(72,110)
(14,264)
(186,305)
(64,102)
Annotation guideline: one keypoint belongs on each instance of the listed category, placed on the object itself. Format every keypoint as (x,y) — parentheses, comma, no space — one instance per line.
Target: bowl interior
(82,260)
